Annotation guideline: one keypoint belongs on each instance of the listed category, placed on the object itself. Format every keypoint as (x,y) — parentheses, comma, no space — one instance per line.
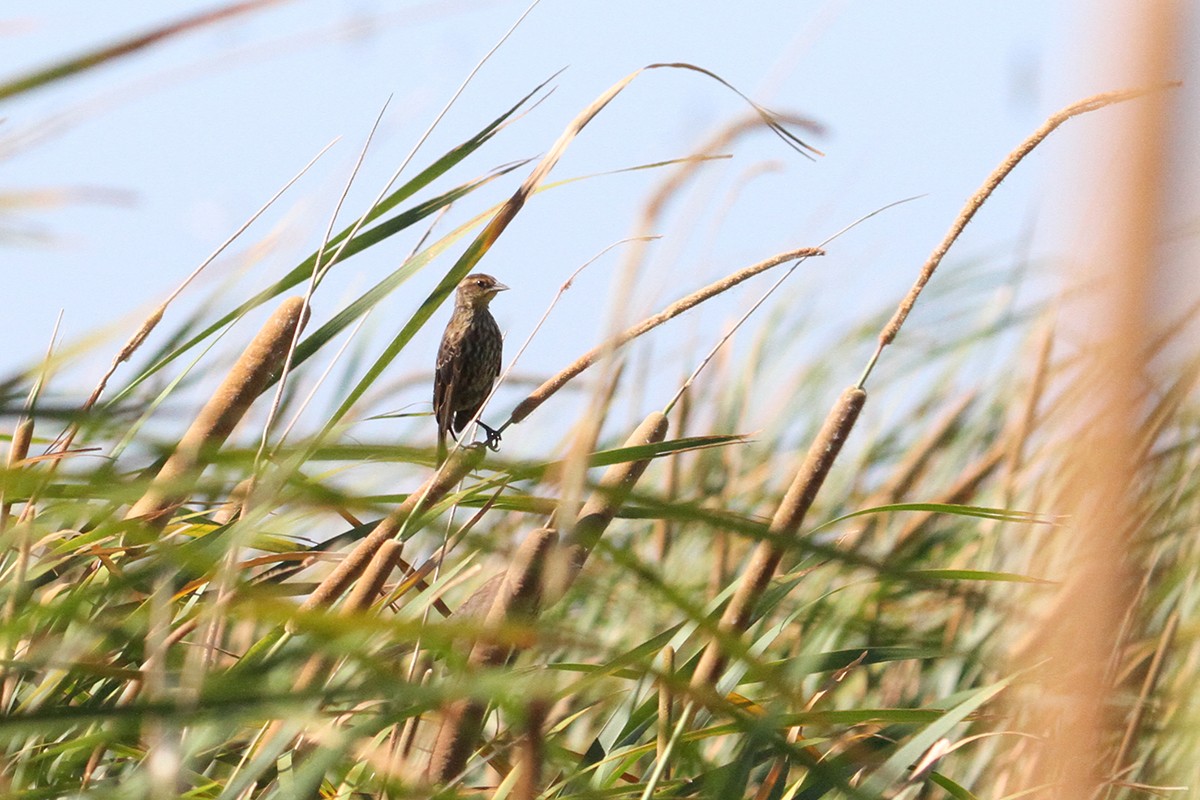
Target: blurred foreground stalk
(1080,704)
(260,361)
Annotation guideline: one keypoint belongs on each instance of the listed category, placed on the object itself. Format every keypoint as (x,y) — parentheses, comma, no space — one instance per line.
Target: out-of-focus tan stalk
(532,751)
(262,359)
(666,707)
(17,451)
(357,560)
(1077,707)
(610,495)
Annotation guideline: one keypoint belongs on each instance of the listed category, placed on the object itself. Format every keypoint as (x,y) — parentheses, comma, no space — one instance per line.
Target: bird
(468,360)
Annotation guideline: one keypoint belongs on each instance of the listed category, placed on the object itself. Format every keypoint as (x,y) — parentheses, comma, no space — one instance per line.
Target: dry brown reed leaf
(416,577)
(1142,705)
(56,457)
(770,787)
(553,384)
(1019,439)
(436,486)
(1093,103)
(784,526)
(228,404)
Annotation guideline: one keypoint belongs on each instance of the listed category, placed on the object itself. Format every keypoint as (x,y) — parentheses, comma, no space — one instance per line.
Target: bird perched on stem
(468,360)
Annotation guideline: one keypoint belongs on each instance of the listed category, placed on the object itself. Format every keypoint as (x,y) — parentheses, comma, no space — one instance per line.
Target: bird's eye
(481,283)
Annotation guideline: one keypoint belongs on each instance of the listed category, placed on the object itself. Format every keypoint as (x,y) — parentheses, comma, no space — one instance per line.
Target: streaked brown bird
(468,360)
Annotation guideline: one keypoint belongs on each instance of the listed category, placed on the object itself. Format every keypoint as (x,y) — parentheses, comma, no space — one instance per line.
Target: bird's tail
(441,447)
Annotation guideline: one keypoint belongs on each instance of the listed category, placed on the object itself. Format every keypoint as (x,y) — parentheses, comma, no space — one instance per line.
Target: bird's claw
(493,438)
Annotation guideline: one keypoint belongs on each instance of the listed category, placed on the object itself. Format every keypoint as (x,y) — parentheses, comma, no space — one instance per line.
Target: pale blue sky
(918,99)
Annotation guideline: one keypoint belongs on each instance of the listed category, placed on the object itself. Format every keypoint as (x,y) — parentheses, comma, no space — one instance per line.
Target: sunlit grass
(646,612)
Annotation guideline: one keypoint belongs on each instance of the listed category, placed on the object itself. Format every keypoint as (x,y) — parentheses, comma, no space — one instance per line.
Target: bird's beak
(499,287)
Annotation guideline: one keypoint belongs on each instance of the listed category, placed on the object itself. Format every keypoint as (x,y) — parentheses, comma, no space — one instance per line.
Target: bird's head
(478,290)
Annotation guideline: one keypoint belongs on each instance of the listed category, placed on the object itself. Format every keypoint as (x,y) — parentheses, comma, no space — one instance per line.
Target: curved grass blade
(973,575)
(622,455)
(361,241)
(800,665)
(980,512)
(953,789)
(892,770)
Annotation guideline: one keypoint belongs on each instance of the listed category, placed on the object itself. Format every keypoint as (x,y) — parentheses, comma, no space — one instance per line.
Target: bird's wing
(444,379)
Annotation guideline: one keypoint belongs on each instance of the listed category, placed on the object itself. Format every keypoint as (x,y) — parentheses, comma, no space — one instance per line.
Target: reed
(763,598)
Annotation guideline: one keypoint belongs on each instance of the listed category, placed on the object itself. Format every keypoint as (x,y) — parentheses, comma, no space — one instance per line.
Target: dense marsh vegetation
(741,595)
